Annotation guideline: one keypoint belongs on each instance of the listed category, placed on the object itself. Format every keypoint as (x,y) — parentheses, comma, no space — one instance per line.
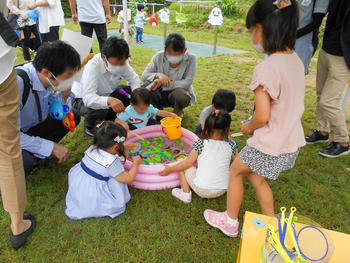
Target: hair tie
(119,139)
(99,125)
(282,3)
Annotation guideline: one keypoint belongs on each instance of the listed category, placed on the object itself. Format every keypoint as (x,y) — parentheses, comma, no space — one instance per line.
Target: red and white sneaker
(219,220)
(179,194)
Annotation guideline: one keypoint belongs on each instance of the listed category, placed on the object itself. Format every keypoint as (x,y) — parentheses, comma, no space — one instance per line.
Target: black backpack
(27,88)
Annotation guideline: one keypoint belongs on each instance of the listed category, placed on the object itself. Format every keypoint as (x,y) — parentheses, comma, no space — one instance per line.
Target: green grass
(156,227)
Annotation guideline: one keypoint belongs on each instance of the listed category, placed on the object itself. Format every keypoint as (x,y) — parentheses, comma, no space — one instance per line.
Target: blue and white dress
(92,189)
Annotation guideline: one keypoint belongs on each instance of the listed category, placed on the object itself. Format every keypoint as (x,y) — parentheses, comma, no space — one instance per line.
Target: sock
(230,221)
(186,193)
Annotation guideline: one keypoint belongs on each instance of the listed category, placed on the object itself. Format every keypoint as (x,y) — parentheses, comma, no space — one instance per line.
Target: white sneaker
(179,194)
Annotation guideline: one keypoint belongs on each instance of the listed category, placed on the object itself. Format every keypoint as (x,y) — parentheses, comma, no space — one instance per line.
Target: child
(98,184)
(223,100)
(138,114)
(213,154)
(140,19)
(279,87)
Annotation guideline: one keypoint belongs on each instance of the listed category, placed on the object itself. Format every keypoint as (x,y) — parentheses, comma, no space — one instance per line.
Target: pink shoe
(179,194)
(219,220)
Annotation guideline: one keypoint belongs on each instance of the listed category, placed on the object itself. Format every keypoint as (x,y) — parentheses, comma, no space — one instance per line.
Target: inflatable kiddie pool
(148,177)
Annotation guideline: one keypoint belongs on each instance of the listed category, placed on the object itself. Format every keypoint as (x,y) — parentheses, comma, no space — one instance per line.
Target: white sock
(189,193)
(230,221)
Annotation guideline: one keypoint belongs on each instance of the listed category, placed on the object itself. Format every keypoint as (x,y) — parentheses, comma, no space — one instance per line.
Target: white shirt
(91,11)
(97,83)
(214,158)
(51,15)
(7,59)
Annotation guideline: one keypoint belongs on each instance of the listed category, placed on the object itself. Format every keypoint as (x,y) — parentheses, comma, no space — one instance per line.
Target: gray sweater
(182,76)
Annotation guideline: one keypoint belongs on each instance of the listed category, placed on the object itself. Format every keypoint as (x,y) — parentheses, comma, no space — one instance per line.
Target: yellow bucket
(172,127)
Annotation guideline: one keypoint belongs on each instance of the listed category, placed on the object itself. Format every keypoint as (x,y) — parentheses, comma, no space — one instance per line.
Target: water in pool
(160,150)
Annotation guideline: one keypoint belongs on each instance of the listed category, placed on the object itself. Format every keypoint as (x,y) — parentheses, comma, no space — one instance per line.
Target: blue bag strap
(92,173)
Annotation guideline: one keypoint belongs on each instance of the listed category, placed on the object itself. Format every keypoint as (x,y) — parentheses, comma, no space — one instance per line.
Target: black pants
(92,117)
(100,30)
(53,35)
(177,99)
(33,43)
(51,130)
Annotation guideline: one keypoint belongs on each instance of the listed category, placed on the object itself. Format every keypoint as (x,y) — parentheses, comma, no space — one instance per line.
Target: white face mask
(63,84)
(258,47)
(113,69)
(174,59)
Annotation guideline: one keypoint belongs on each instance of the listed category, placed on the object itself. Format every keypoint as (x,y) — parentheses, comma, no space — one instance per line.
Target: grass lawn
(156,227)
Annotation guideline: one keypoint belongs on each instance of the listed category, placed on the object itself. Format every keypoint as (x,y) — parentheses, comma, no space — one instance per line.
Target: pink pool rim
(147,177)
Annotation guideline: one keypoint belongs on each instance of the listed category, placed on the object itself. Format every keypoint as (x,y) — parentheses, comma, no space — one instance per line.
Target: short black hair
(57,57)
(140,7)
(279,25)
(176,41)
(141,95)
(224,100)
(217,120)
(115,47)
(105,134)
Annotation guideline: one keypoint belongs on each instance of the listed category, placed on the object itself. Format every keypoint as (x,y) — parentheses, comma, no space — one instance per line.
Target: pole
(215,39)
(165,25)
(125,18)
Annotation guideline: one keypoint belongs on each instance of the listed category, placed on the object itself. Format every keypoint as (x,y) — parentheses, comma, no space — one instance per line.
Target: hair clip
(282,3)
(119,139)
(99,125)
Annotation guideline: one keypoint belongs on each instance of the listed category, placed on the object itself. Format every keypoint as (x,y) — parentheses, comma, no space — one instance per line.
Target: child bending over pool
(279,87)
(140,111)
(213,154)
(223,100)
(98,185)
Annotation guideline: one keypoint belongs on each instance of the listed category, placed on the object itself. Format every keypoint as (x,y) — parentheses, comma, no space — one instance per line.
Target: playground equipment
(148,177)
(213,12)
(61,111)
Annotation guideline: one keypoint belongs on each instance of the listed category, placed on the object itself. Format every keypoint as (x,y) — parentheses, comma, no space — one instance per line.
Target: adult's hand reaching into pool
(167,170)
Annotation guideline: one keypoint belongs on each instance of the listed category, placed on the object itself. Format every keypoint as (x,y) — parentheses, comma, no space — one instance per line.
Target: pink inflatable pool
(147,175)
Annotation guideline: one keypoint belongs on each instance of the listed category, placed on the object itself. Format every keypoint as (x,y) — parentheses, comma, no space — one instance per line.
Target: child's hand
(172,115)
(130,146)
(167,170)
(137,160)
(245,128)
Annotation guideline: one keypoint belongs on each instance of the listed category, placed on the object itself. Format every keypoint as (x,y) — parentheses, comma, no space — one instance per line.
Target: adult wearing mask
(92,15)
(12,180)
(47,79)
(98,98)
(171,73)
(333,72)
(311,14)
(51,17)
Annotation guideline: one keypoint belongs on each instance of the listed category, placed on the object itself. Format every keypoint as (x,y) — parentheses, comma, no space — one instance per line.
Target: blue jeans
(139,32)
